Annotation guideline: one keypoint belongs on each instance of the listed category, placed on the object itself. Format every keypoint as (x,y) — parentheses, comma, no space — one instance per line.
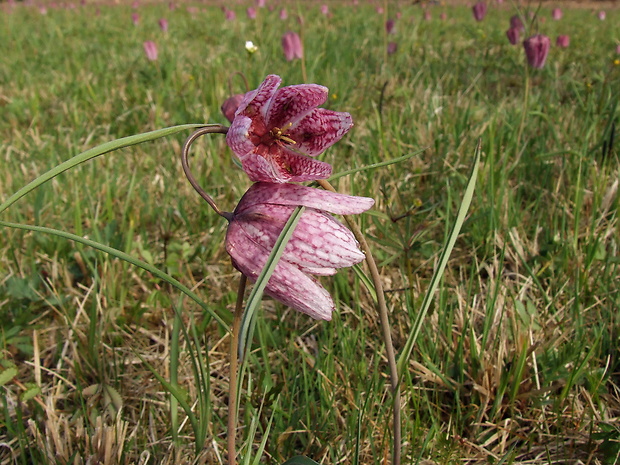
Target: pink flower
(392,47)
(427,16)
(389,26)
(229,15)
(163,24)
(379,10)
(562,41)
(602,15)
(536,50)
(479,10)
(515,21)
(135,18)
(229,107)
(324,9)
(251,12)
(443,16)
(151,50)
(172,6)
(260,3)
(556,14)
(618,49)
(283,14)
(319,245)
(513,35)
(276,132)
(292,47)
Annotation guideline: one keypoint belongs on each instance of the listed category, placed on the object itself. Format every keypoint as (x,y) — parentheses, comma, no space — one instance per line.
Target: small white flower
(250,47)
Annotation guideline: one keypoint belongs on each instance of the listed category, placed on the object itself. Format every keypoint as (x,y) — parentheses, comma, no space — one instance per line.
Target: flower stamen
(280,134)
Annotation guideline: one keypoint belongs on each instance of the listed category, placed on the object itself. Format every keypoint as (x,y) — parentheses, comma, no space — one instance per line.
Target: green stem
(525,110)
(234,373)
(385,326)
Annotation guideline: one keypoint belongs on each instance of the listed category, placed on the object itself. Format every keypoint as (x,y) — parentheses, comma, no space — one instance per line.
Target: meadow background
(518,360)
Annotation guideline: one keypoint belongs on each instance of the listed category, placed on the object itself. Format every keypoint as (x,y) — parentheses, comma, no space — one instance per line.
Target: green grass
(517,360)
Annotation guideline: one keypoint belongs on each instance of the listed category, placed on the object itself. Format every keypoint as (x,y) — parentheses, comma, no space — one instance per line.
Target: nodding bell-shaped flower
(291,45)
(150,50)
(556,14)
(536,50)
(513,35)
(230,105)
(276,132)
(515,21)
(319,245)
(563,41)
(479,10)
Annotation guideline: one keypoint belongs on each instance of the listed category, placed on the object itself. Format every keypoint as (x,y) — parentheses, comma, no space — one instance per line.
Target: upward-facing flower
(291,45)
(319,245)
(536,50)
(276,132)
(479,10)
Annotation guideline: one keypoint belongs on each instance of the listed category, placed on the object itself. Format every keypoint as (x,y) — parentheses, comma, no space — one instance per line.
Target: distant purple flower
(324,9)
(251,12)
(319,245)
(563,41)
(163,24)
(602,15)
(277,133)
(150,49)
(515,21)
(260,3)
(443,16)
(283,14)
(229,14)
(389,26)
(399,15)
(292,47)
(135,18)
(135,4)
(618,49)
(172,6)
(556,14)
(536,50)
(427,16)
(479,10)
(379,10)
(513,35)
(392,47)
(42,10)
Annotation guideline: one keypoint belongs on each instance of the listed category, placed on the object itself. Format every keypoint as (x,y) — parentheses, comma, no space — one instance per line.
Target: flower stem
(385,326)
(234,374)
(525,109)
(218,129)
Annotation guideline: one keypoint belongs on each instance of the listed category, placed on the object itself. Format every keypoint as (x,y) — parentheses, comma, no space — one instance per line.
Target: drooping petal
(319,130)
(238,138)
(288,284)
(293,195)
(291,104)
(281,166)
(319,245)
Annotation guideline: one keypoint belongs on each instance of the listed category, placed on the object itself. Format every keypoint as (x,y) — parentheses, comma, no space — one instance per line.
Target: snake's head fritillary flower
(260,3)
(291,45)
(277,132)
(150,49)
(251,12)
(135,18)
(389,26)
(163,24)
(324,9)
(479,10)
(230,15)
(283,14)
(602,15)
(229,107)
(556,14)
(536,50)
(563,41)
(319,245)
(515,21)
(513,35)
(250,47)
(392,47)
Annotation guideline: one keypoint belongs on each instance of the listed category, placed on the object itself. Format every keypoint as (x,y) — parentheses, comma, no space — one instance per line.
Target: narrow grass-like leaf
(247,323)
(92,153)
(374,166)
(123,256)
(443,261)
